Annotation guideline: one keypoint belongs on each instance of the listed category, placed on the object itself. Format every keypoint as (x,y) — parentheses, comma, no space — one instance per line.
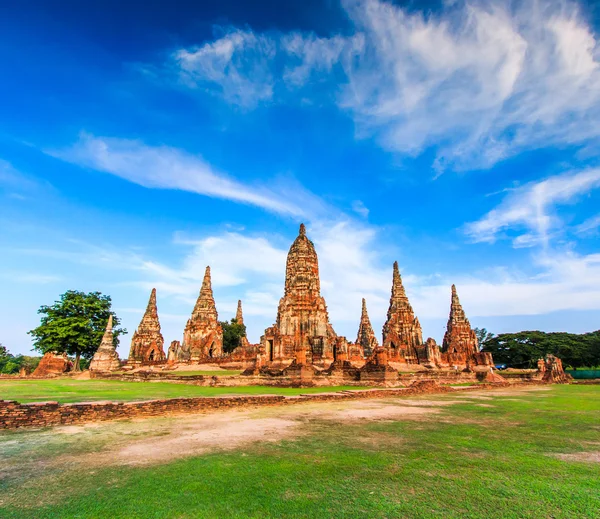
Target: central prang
(302,327)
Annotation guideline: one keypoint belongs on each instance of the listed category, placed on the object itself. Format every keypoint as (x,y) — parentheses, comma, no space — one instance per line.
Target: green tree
(482,336)
(523,349)
(232,334)
(75,325)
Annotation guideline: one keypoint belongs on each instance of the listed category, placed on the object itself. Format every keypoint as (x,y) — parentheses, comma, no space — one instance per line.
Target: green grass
(467,461)
(67,390)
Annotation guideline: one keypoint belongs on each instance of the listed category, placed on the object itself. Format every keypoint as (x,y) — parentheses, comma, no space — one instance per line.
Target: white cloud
(480,80)
(590,226)
(238,64)
(360,208)
(308,54)
(530,209)
(170,168)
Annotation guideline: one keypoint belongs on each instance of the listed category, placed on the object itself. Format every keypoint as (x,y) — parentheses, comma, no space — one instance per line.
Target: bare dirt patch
(587,457)
(220,432)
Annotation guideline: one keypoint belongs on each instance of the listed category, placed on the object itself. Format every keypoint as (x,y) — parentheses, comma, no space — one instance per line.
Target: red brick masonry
(43,414)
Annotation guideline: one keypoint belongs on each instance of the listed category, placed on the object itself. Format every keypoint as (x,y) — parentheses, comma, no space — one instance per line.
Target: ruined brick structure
(239,318)
(147,343)
(203,335)
(460,346)
(106,357)
(402,333)
(302,318)
(52,364)
(366,336)
(552,370)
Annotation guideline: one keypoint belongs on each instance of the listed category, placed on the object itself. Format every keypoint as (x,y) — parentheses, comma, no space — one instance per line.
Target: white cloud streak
(530,210)
(164,167)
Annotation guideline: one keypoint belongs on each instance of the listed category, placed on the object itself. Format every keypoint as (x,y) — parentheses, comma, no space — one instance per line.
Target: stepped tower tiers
(402,334)
(106,357)
(366,336)
(203,335)
(460,346)
(302,324)
(147,342)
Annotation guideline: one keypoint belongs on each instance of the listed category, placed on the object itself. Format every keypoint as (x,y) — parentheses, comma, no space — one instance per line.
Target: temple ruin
(302,345)
(302,323)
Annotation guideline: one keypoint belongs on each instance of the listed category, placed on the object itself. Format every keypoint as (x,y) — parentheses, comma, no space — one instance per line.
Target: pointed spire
(239,316)
(302,231)
(366,336)
(152,300)
(109,324)
(397,286)
(457,314)
(205,305)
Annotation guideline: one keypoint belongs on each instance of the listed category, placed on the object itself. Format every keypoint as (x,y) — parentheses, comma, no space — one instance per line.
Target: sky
(140,142)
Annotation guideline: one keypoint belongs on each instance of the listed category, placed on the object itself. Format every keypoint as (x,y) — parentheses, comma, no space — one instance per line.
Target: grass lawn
(66,390)
(497,455)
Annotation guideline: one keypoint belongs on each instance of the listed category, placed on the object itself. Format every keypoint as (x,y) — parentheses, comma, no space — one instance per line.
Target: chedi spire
(366,336)
(203,335)
(106,357)
(239,316)
(147,343)
(459,337)
(402,331)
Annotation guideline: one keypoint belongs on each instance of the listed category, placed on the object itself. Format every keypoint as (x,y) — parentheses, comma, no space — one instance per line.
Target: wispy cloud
(478,81)
(238,64)
(164,167)
(530,210)
(590,226)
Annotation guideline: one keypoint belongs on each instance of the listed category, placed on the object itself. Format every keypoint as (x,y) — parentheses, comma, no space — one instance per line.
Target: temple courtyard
(516,452)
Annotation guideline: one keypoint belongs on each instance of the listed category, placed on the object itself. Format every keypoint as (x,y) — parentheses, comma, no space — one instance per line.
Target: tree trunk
(77,357)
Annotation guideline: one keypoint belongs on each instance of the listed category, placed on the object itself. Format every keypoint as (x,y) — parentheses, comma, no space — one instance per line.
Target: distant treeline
(11,364)
(523,349)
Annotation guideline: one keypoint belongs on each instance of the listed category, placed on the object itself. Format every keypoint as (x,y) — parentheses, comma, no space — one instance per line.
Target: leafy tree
(482,336)
(232,334)
(10,364)
(523,349)
(75,325)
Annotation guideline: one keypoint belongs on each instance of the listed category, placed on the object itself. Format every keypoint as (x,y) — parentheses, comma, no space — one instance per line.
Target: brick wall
(42,414)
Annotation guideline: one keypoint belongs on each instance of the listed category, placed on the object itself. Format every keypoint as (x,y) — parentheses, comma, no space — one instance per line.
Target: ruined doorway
(210,350)
(151,356)
(270,349)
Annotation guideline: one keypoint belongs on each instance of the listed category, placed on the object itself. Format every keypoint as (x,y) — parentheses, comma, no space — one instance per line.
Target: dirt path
(159,440)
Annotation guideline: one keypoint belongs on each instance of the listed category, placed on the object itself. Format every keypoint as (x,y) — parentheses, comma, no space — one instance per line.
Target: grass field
(508,454)
(66,390)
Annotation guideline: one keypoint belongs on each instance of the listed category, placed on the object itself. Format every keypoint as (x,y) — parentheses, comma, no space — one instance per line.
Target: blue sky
(140,143)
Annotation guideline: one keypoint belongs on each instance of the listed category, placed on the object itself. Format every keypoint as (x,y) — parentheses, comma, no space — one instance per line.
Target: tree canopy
(75,324)
(232,334)
(523,349)
(10,364)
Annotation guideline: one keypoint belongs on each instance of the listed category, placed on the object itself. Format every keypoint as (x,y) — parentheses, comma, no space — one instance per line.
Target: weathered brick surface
(14,415)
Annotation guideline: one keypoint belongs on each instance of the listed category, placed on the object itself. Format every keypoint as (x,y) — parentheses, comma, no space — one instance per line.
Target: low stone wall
(14,415)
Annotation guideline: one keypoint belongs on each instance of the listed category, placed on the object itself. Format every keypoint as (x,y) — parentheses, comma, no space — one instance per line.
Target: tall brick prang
(147,343)
(366,336)
(203,335)
(402,333)
(302,318)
